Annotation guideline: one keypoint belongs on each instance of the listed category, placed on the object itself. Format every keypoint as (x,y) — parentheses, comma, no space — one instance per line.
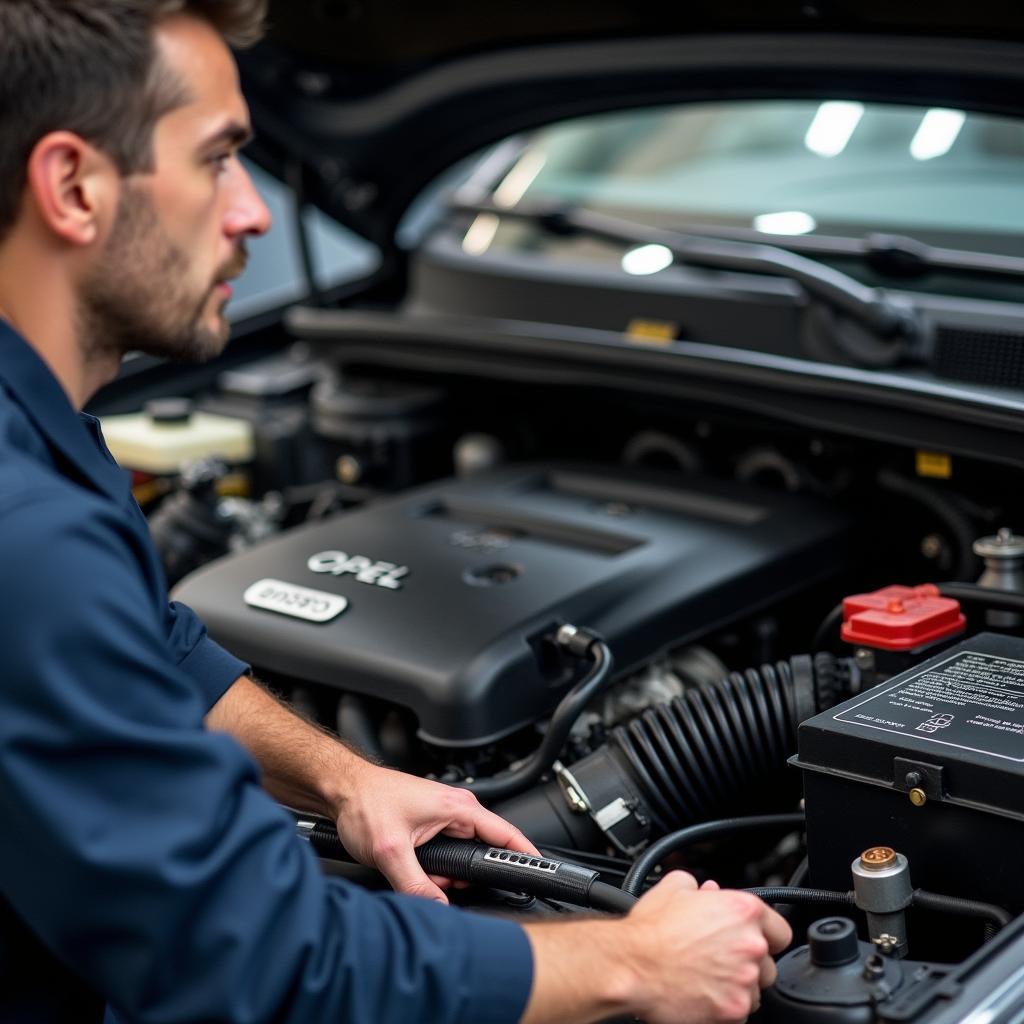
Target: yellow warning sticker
(935,465)
(652,332)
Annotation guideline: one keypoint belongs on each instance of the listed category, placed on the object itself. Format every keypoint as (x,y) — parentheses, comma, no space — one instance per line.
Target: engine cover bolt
(918,797)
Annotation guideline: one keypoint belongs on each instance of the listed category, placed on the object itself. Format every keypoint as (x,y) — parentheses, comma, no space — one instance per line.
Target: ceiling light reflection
(785,222)
(936,134)
(647,259)
(833,127)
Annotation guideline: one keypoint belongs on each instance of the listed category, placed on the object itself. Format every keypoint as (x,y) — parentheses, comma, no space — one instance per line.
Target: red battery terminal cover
(901,618)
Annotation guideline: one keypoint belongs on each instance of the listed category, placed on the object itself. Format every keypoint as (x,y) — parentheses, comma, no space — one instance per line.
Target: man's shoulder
(40,508)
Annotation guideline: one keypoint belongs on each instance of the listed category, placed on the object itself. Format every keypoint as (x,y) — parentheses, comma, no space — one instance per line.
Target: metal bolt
(887,944)
(865,658)
(913,780)
(918,797)
(874,968)
(349,469)
(932,546)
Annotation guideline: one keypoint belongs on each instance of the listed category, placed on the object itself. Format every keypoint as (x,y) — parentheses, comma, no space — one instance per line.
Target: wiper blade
(894,255)
(888,318)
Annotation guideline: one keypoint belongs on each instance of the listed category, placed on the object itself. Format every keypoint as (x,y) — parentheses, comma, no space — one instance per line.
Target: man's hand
(702,954)
(682,956)
(384,815)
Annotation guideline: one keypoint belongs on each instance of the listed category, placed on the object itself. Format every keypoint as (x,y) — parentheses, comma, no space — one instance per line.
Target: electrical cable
(971,593)
(569,709)
(676,841)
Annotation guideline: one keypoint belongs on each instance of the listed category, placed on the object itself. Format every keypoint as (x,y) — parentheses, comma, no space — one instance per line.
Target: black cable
(676,841)
(569,708)
(462,860)
(987,912)
(827,632)
(611,899)
(971,593)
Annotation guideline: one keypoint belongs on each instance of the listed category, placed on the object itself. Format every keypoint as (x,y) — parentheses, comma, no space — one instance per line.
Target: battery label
(971,701)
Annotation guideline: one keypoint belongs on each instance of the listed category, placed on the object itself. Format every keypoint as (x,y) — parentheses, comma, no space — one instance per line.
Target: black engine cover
(451,589)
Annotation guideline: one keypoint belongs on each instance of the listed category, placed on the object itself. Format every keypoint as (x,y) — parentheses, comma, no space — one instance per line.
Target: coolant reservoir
(168,433)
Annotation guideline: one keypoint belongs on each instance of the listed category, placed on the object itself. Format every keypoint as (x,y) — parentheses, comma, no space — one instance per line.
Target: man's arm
(143,852)
(382,815)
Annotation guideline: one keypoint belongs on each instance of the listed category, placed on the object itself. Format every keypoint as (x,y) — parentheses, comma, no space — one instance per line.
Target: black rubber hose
(971,593)
(569,709)
(988,912)
(958,524)
(610,899)
(657,852)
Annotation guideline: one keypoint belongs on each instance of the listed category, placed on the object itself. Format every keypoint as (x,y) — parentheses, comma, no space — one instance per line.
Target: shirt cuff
(213,669)
(501,971)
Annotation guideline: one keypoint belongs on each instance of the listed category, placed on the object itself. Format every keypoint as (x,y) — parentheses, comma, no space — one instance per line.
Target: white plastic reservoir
(168,434)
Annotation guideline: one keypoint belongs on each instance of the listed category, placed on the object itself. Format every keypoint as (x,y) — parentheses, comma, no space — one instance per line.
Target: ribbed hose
(710,750)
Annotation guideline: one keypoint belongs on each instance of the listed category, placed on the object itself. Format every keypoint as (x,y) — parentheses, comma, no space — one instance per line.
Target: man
(142,867)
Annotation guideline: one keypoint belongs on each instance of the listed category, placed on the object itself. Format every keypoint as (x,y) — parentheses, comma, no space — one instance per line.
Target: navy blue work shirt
(141,865)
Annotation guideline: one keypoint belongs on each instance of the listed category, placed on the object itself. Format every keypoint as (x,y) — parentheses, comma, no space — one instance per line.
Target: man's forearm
(303,766)
(579,973)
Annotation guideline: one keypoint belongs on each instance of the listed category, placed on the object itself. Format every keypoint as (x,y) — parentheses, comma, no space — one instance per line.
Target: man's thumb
(404,873)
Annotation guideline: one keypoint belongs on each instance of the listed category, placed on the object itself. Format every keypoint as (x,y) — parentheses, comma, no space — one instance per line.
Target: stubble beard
(140,297)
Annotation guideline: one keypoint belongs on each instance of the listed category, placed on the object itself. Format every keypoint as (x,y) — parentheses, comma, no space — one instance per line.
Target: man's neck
(44,312)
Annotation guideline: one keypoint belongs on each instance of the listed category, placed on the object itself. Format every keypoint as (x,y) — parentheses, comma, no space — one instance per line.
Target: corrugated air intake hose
(715,751)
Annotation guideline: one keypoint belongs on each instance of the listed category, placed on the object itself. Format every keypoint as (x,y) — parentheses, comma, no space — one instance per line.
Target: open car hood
(361,103)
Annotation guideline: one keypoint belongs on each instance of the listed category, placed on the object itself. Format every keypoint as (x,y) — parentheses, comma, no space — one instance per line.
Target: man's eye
(221,160)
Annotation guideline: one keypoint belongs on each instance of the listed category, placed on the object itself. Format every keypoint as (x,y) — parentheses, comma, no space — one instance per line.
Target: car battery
(930,763)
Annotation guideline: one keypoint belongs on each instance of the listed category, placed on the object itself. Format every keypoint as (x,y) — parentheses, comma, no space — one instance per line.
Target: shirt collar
(75,436)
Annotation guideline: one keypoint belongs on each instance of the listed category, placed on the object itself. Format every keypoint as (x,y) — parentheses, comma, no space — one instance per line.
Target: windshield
(836,168)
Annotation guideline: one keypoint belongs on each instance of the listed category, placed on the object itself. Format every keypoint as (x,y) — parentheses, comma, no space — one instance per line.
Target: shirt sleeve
(210,667)
(141,850)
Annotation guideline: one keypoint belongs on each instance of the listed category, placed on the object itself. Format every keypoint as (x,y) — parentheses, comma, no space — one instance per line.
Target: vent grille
(980,357)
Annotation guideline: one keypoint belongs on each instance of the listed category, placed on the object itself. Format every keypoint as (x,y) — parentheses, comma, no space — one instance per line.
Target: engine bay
(623,626)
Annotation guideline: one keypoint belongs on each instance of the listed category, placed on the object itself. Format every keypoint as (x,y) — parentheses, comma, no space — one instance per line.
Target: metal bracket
(908,774)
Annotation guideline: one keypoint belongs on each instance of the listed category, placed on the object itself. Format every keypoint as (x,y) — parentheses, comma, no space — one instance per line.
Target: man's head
(121,121)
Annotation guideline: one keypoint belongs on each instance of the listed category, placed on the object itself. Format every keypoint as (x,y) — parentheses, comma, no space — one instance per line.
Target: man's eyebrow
(232,134)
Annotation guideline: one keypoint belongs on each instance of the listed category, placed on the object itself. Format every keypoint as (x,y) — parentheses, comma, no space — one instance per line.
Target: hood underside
(361,104)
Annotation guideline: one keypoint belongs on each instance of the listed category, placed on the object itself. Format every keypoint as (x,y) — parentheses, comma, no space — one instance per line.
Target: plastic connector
(577,642)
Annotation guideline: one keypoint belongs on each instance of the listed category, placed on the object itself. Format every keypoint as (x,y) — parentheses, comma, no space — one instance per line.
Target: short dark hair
(90,67)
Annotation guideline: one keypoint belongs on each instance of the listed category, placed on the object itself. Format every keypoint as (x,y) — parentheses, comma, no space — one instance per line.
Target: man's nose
(248,213)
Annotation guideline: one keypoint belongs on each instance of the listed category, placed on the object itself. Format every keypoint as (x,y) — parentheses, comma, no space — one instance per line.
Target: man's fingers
(401,868)
(496,831)
(776,930)
(767,972)
(711,885)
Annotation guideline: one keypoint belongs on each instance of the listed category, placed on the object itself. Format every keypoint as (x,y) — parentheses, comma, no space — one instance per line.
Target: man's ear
(73,187)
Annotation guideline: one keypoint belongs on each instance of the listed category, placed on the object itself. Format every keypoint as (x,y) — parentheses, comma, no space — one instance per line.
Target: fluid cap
(878,857)
(833,942)
(901,618)
(1005,544)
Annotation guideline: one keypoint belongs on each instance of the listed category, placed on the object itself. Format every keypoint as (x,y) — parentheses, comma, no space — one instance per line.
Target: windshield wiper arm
(885,316)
